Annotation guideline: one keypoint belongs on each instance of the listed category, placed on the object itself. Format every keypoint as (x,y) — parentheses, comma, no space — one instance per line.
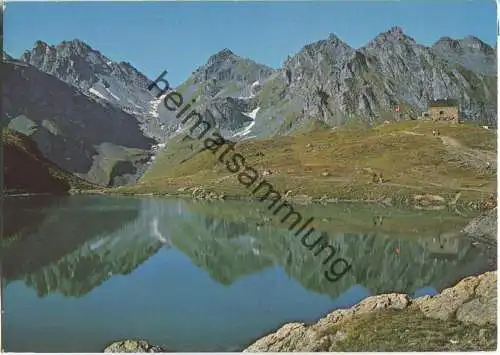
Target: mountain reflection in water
(178,273)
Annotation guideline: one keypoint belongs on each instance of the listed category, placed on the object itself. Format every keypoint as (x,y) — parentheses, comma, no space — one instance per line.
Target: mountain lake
(80,272)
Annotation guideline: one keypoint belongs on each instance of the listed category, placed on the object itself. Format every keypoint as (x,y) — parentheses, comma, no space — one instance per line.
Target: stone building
(443,110)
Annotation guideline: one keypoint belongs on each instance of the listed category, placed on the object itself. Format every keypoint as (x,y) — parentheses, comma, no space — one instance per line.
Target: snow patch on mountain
(117,98)
(97,93)
(153,108)
(252,114)
(252,91)
(245,131)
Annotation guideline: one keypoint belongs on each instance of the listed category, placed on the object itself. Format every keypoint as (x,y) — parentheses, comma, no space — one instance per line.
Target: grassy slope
(411,163)
(26,170)
(410,330)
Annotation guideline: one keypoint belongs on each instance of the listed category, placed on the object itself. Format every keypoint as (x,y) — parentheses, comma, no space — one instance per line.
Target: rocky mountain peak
(334,39)
(42,55)
(76,43)
(221,56)
(40,44)
(78,64)
(469,52)
(330,80)
(333,47)
(224,66)
(225,51)
(446,42)
(395,35)
(396,31)
(226,86)
(473,40)
(475,43)
(317,59)
(469,43)
(39,49)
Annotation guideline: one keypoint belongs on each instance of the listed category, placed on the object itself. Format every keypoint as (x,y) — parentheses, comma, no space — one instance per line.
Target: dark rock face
(67,126)
(95,75)
(226,113)
(22,160)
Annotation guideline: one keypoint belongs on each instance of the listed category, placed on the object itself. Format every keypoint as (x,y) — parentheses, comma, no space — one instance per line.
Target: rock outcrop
(470,302)
(133,346)
(483,226)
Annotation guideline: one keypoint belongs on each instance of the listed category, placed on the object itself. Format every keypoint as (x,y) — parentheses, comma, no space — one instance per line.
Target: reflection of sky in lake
(353,295)
(424,291)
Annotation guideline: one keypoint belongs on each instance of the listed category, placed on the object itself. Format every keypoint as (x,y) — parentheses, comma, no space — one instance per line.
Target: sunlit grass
(336,162)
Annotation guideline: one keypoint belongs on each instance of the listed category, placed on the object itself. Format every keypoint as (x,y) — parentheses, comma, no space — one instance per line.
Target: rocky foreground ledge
(462,317)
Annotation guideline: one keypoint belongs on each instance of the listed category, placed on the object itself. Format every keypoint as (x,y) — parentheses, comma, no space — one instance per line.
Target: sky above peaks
(181,36)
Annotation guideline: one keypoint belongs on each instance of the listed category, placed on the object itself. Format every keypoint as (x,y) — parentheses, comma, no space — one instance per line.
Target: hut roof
(443,103)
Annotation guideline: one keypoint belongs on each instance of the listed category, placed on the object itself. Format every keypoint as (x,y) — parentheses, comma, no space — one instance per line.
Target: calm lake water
(85,271)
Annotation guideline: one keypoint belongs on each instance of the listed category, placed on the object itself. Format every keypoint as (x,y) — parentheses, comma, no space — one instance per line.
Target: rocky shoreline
(473,301)
(422,202)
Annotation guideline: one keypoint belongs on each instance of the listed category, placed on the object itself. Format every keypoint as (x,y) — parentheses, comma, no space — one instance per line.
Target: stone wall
(448,113)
